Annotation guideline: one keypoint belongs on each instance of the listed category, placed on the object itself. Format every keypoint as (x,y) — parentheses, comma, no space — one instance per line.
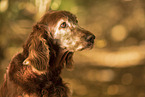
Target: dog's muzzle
(90,41)
(89,38)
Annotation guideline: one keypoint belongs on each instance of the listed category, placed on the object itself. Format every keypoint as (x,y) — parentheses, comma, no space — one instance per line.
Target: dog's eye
(63,25)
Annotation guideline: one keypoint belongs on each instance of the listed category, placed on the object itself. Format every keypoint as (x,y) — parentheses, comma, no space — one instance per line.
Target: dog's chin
(88,46)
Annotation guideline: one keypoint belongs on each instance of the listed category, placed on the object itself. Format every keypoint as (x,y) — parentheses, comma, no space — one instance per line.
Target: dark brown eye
(63,25)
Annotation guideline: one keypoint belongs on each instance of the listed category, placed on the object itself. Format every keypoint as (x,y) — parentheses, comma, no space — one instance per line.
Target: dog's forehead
(52,17)
(70,16)
(64,15)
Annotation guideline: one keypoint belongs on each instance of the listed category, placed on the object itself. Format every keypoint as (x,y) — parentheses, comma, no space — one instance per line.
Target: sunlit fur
(69,38)
(38,49)
(35,72)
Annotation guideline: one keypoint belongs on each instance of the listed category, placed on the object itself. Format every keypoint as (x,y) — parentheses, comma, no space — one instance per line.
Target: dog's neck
(58,57)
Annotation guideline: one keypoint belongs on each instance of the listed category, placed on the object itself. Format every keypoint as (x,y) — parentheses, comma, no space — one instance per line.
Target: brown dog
(35,72)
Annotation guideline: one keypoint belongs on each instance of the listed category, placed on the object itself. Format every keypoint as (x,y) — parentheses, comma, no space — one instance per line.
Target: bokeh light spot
(127,79)
(113,90)
(3,5)
(101,43)
(118,33)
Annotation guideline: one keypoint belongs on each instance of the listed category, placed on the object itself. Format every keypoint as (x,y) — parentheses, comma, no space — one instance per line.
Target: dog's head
(64,28)
(56,28)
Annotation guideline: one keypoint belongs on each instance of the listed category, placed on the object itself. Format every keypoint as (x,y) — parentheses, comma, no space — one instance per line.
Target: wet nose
(90,38)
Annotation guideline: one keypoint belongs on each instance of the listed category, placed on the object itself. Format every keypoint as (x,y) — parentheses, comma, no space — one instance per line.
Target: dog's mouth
(90,45)
(87,45)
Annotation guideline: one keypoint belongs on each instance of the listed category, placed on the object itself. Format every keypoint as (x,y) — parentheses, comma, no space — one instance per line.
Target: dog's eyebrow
(52,17)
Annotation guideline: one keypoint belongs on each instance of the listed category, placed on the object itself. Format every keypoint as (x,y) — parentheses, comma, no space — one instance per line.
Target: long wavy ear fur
(37,49)
(69,61)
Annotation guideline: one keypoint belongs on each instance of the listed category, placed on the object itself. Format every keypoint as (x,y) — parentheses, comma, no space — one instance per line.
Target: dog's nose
(90,38)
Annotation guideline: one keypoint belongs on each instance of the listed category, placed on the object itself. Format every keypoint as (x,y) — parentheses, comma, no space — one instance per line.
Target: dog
(35,72)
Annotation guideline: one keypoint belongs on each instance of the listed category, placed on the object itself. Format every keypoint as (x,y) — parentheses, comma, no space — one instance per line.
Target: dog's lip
(89,45)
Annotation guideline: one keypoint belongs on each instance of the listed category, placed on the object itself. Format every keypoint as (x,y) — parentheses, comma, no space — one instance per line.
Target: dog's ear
(69,61)
(37,48)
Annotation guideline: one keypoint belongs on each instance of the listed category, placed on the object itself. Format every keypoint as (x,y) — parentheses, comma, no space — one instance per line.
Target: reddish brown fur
(45,55)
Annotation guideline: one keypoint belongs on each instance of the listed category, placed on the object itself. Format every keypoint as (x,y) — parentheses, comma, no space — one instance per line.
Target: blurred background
(115,67)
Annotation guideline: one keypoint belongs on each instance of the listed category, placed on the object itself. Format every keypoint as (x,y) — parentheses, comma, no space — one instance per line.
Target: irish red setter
(35,72)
